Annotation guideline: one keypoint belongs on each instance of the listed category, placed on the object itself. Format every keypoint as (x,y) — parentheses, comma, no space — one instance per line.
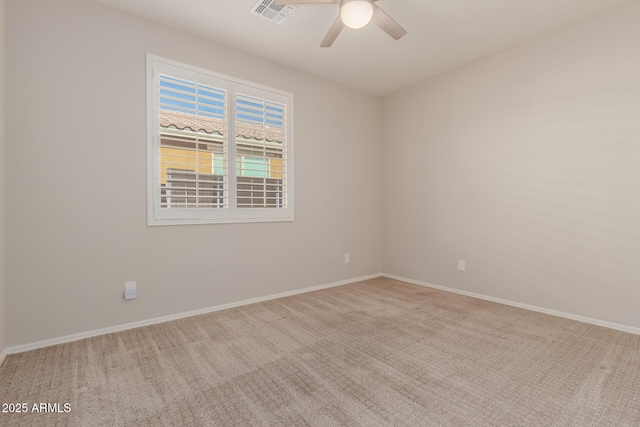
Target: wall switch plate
(130,290)
(347,258)
(462,265)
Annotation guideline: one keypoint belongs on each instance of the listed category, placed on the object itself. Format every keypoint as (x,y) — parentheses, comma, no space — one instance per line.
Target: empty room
(320,212)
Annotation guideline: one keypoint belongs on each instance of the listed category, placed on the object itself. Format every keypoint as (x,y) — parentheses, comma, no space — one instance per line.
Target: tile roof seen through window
(211,125)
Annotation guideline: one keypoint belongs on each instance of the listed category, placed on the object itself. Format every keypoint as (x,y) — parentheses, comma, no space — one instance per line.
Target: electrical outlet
(347,258)
(130,290)
(462,265)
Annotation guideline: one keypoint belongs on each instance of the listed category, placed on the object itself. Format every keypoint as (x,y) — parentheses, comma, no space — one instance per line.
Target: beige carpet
(373,353)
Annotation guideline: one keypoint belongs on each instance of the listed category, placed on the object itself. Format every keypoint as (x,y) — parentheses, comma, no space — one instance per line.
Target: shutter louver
(192,150)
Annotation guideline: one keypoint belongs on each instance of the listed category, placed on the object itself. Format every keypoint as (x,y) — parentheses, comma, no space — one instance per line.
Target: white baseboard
(3,355)
(611,325)
(103,331)
(156,320)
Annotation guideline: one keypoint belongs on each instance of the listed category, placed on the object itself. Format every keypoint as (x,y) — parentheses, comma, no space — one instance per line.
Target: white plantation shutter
(220,150)
(261,152)
(192,128)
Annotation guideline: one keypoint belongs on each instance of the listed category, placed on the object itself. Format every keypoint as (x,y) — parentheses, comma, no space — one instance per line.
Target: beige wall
(77,212)
(527,165)
(524,164)
(3,305)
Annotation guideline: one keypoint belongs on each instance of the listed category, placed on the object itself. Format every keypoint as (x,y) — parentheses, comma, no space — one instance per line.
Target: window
(220,149)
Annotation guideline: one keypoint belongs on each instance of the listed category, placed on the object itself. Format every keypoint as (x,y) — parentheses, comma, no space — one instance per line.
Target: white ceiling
(442,34)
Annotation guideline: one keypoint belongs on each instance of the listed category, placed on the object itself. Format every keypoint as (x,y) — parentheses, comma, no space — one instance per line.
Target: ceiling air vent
(271,11)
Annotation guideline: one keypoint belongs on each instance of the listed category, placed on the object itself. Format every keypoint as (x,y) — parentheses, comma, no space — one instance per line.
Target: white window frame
(231,214)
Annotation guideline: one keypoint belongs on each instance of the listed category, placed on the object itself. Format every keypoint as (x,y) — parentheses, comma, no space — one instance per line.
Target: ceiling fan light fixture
(356,13)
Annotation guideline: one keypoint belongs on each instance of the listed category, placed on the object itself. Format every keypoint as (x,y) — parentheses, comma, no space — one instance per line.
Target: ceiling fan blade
(387,23)
(296,2)
(333,33)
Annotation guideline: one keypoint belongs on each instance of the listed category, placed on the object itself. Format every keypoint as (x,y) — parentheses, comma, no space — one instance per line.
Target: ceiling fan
(353,14)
